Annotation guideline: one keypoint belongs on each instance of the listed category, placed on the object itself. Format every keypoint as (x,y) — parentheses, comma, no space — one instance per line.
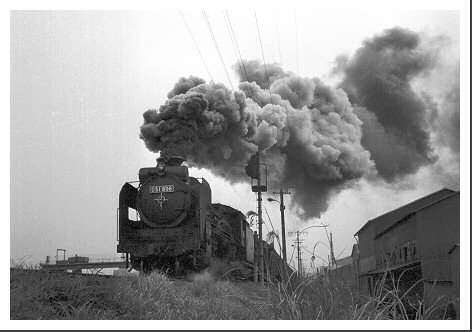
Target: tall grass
(322,298)
(40,295)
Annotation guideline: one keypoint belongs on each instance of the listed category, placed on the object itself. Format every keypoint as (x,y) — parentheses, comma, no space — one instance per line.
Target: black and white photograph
(277,165)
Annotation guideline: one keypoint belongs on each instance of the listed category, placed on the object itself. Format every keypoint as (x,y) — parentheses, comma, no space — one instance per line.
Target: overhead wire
(234,46)
(313,254)
(263,58)
(280,56)
(217,48)
(196,46)
(240,59)
(298,68)
(237,46)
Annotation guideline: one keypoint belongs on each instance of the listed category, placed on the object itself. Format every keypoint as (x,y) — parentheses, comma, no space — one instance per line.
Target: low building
(346,269)
(418,244)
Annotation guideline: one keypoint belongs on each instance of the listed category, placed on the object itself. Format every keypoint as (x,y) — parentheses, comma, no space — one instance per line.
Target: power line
(232,43)
(263,58)
(298,69)
(280,55)
(239,52)
(217,48)
(195,43)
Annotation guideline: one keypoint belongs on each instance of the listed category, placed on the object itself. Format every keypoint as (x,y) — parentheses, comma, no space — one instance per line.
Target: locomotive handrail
(118,224)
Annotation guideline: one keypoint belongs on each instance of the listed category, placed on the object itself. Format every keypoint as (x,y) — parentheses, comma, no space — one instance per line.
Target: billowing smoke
(444,119)
(297,90)
(378,79)
(312,138)
(207,124)
(316,150)
(446,116)
(185,84)
(263,76)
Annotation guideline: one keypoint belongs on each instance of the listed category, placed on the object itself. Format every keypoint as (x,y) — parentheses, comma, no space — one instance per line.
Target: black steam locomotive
(168,222)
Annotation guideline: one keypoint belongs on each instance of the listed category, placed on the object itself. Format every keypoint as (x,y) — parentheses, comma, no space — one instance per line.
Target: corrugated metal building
(418,241)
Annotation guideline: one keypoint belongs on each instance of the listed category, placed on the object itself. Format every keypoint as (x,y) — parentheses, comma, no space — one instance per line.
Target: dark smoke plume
(316,149)
(378,79)
(308,133)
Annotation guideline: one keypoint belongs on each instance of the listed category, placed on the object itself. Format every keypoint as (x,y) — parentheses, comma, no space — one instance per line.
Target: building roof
(385,221)
(343,262)
(355,250)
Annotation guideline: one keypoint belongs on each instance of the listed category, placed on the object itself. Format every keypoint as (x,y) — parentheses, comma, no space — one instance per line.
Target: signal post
(253,170)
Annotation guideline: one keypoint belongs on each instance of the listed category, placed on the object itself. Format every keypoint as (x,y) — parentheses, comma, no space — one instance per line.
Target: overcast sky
(81,80)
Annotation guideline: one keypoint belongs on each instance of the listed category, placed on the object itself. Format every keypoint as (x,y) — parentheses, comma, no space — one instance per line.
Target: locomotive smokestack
(175,160)
(171,160)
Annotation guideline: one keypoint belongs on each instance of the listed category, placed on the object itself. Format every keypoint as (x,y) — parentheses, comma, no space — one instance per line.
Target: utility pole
(299,242)
(282,192)
(333,260)
(259,214)
(300,272)
(299,256)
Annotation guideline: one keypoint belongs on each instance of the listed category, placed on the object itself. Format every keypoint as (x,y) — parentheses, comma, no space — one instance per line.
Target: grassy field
(40,295)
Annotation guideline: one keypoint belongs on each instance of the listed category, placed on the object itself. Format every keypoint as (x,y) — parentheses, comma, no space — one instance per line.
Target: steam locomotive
(168,222)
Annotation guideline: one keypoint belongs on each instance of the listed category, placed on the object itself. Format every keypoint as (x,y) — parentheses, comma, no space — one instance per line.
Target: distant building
(418,244)
(346,269)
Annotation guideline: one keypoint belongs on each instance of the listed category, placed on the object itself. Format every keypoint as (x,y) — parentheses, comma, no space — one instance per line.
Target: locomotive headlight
(160,168)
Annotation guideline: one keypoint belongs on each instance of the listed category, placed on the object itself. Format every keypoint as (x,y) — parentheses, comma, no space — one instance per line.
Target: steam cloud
(446,113)
(378,80)
(316,149)
(308,133)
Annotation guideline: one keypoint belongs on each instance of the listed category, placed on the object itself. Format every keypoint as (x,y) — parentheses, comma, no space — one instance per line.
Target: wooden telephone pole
(282,192)
(299,254)
(333,259)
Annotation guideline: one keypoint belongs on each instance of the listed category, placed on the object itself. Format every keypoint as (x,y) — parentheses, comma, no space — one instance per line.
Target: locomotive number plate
(161,189)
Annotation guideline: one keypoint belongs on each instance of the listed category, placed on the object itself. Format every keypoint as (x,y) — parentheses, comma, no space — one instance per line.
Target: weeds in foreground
(57,296)
(321,298)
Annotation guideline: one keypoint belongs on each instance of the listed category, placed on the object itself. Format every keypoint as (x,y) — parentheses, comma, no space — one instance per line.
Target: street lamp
(320,242)
(314,248)
(298,243)
(313,255)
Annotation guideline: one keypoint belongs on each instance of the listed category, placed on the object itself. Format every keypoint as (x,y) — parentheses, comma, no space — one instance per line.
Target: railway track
(45,273)
(37,272)
(18,272)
